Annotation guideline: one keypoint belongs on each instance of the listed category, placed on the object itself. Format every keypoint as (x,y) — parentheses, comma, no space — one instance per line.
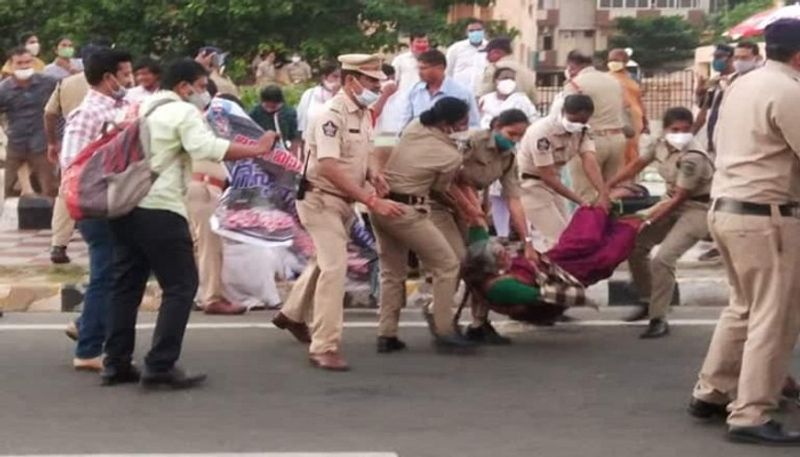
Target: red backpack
(112,174)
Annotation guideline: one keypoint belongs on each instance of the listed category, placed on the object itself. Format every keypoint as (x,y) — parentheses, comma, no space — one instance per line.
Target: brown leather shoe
(224,308)
(94,364)
(298,329)
(331,361)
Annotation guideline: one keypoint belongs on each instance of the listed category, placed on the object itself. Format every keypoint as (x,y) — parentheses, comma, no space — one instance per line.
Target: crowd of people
(436,149)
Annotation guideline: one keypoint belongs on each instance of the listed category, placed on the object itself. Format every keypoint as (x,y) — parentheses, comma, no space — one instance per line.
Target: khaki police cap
(366,64)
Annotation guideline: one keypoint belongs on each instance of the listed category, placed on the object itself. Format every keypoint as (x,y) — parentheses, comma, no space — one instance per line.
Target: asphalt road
(569,391)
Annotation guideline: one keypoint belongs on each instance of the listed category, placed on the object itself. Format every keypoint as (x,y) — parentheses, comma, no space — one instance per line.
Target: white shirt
(407,76)
(311,104)
(465,63)
(491,106)
(137,95)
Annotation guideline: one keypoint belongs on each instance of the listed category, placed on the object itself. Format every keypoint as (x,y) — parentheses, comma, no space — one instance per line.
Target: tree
(732,17)
(655,40)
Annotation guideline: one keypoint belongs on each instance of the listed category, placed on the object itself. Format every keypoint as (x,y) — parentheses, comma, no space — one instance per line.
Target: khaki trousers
(675,234)
(63,225)
(545,210)
(750,352)
(610,155)
(414,231)
(319,291)
(201,201)
(39,165)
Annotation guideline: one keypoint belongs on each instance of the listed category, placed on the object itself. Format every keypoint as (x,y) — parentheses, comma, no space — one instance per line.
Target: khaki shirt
(547,143)
(606,93)
(757,137)
(485,164)
(426,159)
(298,73)
(691,169)
(224,84)
(526,79)
(342,131)
(68,95)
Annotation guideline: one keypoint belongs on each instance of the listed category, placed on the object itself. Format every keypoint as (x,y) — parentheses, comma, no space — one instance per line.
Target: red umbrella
(755,24)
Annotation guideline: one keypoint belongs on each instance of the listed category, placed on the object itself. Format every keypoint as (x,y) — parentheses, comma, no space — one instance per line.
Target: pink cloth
(593,245)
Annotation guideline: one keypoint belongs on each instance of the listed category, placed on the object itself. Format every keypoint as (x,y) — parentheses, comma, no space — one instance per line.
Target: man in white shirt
(406,76)
(147,72)
(465,62)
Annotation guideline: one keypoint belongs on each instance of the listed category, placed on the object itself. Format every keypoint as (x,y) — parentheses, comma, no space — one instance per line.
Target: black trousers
(146,241)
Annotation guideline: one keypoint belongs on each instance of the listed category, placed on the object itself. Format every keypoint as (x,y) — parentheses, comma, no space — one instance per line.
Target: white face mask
(33,48)
(679,140)
(295,59)
(367,97)
(23,75)
(200,100)
(506,86)
(572,127)
(743,66)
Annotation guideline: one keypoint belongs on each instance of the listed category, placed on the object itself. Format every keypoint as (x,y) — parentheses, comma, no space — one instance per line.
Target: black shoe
(639,314)
(454,343)
(657,328)
(58,255)
(770,434)
(111,376)
(700,409)
(486,334)
(387,344)
(175,378)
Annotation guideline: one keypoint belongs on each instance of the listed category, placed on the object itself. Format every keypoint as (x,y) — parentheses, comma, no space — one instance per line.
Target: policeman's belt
(728,205)
(606,132)
(407,198)
(530,176)
(314,188)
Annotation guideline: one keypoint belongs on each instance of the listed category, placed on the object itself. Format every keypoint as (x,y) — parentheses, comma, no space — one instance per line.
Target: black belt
(406,198)
(701,198)
(530,176)
(727,205)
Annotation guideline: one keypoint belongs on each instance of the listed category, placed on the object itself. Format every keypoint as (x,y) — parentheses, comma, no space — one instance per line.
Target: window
(540,4)
(588,33)
(664,3)
(547,43)
(605,3)
(617,3)
(644,4)
(687,3)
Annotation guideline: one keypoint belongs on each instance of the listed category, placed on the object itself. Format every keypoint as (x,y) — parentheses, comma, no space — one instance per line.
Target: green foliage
(250,95)
(655,40)
(732,17)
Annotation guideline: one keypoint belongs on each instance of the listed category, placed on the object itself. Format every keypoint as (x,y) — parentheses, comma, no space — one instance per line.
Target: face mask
(719,65)
(679,140)
(743,66)
(475,36)
(615,66)
(200,100)
(23,75)
(295,59)
(66,53)
(506,86)
(367,97)
(118,93)
(503,143)
(572,127)
(33,48)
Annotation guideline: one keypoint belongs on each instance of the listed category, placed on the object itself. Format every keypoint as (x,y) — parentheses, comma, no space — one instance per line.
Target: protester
(634,106)
(64,64)
(434,85)
(607,122)
(500,55)
(147,72)
(548,145)
(107,72)
(297,70)
(22,99)
(337,175)
(753,220)
(313,100)
(155,236)
(465,61)
(30,42)
(675,224)
(273,114)
(506,97)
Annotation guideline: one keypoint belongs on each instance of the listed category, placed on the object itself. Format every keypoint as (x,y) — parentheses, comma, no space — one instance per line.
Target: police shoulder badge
(329,129)
(543,144)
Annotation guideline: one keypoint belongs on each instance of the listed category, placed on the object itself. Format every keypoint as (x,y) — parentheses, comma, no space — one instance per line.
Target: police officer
(754,220)
(608,120)
(489,157)
(426,159)
(677,223)
(339,144)
(547,145)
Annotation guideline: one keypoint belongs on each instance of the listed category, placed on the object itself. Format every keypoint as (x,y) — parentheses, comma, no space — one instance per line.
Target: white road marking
(369,325)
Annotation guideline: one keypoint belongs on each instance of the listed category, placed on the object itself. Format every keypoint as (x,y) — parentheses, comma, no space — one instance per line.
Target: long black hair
(449,110)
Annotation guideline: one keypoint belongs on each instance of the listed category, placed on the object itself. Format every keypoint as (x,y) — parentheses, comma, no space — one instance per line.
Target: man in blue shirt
(434,85)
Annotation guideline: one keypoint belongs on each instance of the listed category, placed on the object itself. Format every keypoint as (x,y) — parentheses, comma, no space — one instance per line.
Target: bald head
(618,55)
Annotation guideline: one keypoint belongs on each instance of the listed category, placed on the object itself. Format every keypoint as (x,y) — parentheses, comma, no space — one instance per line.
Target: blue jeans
(94,316)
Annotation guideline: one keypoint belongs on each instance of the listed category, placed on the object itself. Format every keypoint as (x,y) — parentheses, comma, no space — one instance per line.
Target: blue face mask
(503,143)
(475,36)
(719,65)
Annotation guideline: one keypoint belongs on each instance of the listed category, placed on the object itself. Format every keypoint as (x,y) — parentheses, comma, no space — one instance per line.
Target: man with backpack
(108,72)
(155,236)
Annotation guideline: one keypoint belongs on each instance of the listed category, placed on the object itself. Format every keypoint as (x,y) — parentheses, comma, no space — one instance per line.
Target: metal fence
(660,92)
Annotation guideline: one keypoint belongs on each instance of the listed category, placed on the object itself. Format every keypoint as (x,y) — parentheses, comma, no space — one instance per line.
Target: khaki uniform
(678,231)
(202,197)
(547,143)
(343,131)
(224,83)
(68,95)
(426,159)
(607,123)
(757,161)
(298,73)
